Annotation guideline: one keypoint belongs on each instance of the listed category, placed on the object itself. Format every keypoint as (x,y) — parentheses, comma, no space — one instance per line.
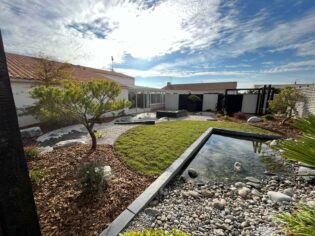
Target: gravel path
(110,130)
(218,209)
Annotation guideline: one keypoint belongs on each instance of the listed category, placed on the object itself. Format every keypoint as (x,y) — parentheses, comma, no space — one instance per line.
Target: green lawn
(150,149)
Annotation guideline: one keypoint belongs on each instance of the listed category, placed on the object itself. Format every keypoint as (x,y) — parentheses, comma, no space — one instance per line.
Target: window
(156,98)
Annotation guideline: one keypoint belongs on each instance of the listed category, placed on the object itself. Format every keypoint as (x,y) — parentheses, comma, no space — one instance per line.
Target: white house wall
(249,103)
(171,101)
(22,100)
(210,102)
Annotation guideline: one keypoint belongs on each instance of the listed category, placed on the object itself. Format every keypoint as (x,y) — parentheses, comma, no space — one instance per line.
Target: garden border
(150,192)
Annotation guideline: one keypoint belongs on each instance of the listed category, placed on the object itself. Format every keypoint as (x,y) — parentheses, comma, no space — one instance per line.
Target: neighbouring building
(22,76)
(211,95)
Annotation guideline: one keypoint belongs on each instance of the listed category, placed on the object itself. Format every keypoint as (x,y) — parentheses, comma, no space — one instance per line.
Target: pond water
(220,157)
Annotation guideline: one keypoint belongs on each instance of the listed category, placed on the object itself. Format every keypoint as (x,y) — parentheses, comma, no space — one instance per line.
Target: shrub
(218,115)
(268,117)
(155,232)
(92,178)
(194,98)
(31,151)
(100,134)
(239,115)
(285,103)
(299,222)
(226,117)
(37,176)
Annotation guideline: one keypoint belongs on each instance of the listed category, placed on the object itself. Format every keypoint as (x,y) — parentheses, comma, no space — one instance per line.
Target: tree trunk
(17,207)
(285,120)
(93,137)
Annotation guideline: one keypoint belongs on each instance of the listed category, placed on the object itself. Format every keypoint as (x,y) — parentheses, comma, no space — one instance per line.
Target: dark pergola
(264,94)
(17,207)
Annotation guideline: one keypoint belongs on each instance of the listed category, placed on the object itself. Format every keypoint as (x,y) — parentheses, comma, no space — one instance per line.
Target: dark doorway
(220,104)
(233,103)
(187,104)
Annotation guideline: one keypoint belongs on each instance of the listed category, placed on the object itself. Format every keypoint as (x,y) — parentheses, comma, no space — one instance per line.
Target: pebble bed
(241,208)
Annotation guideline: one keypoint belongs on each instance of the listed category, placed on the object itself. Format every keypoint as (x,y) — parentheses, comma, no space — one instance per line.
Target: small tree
(285,103)
(49,71)
(82,102)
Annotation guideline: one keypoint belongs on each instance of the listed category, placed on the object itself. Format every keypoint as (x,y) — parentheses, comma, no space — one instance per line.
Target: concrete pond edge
(150,192)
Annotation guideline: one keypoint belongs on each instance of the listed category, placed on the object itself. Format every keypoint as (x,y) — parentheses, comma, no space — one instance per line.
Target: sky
(177,41)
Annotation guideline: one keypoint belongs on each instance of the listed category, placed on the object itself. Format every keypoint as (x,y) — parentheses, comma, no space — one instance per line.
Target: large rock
(243,192)
(288,191)
(254,119)
(218,204)
(239,184)
(252,179)
(306,171)
(68,143)
(278,197)
(31,132)
(43,150)
(192,173)
(151,212)
(107,171)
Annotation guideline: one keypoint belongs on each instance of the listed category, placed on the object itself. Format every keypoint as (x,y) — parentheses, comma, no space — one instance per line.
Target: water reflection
(216,159)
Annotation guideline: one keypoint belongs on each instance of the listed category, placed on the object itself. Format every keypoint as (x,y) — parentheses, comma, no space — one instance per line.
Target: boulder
(107,171)
(243,192)
(288,191)
(43,150)
(192,173)
(254,119)
(278,197)
(31,132)
(206,193)
(252,179)
(217,204)
(239,184)
(306,171)
(254,185)
(255,192)
(68,143)
(151,212)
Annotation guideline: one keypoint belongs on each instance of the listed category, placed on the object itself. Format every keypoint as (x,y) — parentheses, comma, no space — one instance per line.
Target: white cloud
(292,66)
(199,29)
(179,74)
(132,28)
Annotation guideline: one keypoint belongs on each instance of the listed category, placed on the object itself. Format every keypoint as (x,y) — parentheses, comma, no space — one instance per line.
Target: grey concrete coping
(144,199)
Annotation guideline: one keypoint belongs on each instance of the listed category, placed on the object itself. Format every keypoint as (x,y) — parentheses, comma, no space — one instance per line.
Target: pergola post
(17,208)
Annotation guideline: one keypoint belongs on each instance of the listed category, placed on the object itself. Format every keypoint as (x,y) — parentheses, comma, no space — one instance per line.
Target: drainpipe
(136,101)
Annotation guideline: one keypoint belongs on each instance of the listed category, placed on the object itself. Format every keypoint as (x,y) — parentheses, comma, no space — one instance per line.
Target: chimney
(168,83)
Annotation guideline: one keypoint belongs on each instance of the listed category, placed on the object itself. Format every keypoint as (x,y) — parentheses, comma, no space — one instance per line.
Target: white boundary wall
(308,106)
(249,103)
(210,102)
(171,101)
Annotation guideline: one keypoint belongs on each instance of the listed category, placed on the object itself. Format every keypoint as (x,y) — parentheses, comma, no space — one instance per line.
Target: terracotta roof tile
(23,67)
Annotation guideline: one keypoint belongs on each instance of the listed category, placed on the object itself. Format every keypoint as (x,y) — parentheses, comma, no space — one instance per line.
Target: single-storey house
(210,95)
(23,78)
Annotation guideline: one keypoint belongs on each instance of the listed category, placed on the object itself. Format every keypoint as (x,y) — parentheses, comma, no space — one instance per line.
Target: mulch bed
(63,209)
(286,130)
